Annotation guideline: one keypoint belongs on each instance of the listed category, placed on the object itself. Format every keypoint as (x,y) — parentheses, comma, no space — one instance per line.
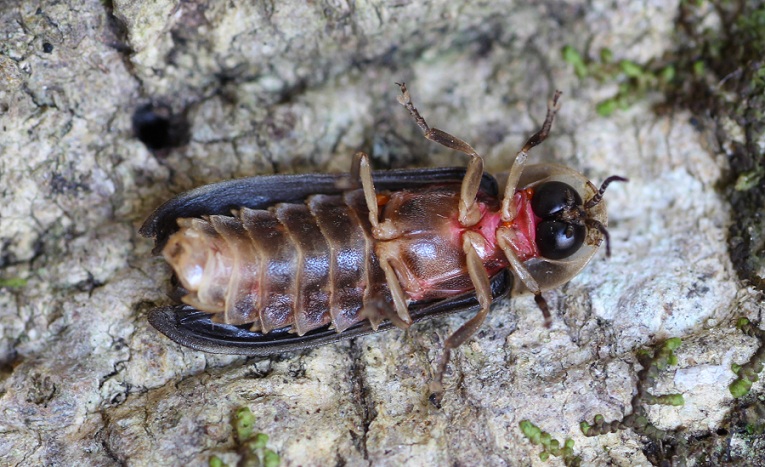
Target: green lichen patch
(749,371)
(634,79)
(13,283)
(549,445)
(653,363)
(716,72)
(251,447)
(243,422)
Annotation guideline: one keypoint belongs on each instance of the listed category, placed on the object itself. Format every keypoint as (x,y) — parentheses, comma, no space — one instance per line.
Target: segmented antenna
(599,195)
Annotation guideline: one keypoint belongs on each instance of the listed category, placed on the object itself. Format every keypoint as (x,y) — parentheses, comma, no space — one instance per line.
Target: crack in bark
(118,28)
(32,453)
(364,401)
(103,440)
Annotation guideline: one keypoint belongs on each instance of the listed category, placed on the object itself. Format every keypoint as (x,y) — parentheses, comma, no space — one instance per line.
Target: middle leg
(469,213)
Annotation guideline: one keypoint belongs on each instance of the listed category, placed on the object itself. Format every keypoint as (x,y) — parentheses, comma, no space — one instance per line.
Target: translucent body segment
(312,269)
(376,297)
(277,270)
(202,261)
(242,294)
(212,289)
(306,265)
(347,267)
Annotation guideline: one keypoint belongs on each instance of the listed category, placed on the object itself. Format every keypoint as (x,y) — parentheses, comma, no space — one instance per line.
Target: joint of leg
(507,210)
(384,230)
(470,215)
(504,241)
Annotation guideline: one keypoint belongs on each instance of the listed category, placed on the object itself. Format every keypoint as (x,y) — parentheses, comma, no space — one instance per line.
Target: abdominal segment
(297,265)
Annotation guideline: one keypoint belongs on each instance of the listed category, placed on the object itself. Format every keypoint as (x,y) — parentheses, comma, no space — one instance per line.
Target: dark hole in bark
(159,128)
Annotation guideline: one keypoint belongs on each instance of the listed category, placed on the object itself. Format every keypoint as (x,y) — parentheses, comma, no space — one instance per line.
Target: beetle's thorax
(521,230)
(427,251)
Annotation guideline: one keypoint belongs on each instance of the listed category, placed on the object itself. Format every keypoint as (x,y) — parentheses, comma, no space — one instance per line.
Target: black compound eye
(551,197)
(558,239)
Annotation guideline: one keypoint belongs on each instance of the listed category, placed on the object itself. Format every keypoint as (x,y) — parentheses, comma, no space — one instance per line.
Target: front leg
(504,240)
(507,210)
(469,214)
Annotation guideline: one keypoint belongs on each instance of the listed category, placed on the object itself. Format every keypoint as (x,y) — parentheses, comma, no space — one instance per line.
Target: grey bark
(295,86)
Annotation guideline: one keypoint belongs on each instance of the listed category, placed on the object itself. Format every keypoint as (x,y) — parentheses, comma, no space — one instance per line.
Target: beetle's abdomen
(298,265)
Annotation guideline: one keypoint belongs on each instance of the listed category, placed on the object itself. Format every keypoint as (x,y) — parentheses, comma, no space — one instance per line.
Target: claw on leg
(542,304)
(436,386)
(552,108)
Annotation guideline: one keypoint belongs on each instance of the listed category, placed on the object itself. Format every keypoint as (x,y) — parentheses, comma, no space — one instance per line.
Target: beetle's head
(572,221)
(566,219)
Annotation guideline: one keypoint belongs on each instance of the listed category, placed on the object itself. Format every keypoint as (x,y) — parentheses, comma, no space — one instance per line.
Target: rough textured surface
(263,87)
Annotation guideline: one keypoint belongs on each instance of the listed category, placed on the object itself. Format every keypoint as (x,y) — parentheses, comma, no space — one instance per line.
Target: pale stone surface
(294,86)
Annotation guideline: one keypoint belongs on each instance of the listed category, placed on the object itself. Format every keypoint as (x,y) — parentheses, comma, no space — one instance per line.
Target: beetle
(278,263)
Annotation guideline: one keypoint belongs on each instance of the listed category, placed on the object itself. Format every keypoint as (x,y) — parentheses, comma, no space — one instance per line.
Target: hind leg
(381,231)
(471,241)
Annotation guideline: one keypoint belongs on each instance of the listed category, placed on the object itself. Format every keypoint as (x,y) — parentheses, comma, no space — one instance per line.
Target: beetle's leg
(353,182)
(469,212)
(355,175)
(377,308)
(480,279)
(522,273)
(360,168)
(507,210)
(382,231)
(399,297)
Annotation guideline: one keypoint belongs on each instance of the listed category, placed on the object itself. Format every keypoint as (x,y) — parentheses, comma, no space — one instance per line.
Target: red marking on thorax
(524,226)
